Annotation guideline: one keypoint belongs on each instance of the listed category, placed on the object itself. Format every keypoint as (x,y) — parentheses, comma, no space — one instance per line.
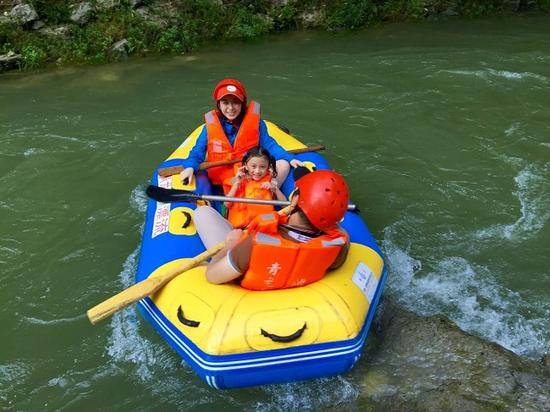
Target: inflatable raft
(233,337)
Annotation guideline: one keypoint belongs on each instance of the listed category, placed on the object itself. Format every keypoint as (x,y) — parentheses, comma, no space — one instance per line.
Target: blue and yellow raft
(233,337)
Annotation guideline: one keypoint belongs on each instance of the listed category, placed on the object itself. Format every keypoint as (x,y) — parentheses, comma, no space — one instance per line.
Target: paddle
(145,287)
(174,170)
(161,194)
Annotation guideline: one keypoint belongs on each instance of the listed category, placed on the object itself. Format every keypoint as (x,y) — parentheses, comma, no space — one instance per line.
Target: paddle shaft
(161,194)
(145,287)
(173,170)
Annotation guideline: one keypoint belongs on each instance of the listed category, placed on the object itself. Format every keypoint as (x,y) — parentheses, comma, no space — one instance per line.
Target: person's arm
(341,258)
(277,194)
(236,182)
(269,143)
(197,155)
(232,261)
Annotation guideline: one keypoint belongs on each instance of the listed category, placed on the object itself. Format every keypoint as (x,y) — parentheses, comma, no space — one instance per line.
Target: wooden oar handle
(174,170)
(145,287)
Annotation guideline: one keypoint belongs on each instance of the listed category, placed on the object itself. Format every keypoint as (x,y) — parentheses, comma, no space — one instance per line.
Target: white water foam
(533,193)
(12,375)
(469,296)
(310,396)
(504,74)
(138,199)
(33,151)
(50,322)
(154,361)
(125,343)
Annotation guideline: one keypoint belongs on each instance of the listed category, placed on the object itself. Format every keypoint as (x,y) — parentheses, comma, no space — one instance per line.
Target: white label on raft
(161,223)
(165,182)
(365,280)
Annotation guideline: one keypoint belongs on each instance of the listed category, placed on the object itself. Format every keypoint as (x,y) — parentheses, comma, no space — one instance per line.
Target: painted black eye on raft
(187,219)
(186,322)
(289,338)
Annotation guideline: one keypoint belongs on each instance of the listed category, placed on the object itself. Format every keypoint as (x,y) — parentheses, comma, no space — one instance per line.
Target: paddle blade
(125,298)
(161,194)
(146,287)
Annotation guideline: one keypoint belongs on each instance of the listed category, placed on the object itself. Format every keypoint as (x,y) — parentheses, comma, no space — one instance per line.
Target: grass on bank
(190,24)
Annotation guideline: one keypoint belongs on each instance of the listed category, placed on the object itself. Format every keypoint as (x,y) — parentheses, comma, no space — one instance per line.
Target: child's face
(257,167)
(230,107)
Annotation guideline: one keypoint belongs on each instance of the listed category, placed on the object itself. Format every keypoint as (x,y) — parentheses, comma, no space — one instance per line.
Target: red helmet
(323,197)
(230,86)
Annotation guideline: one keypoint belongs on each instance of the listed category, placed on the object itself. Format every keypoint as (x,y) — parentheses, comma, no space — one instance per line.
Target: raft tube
(233,337)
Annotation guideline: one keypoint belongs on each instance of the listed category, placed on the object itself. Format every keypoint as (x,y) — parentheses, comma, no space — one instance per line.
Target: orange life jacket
(277,263)
(218,146)
(241,214)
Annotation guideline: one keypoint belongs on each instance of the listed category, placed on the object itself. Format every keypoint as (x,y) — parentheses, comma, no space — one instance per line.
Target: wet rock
(61,31)
(23,13)
(81,12)
(134,4)
(450,11)
(38,24)
(279,2)
(5,18)
(428,363)
(146,14)
(107,4)
(9,61)
(119,50)
(312,18)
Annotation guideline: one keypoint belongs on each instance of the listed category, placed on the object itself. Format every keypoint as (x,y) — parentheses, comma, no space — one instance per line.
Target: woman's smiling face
(230,106)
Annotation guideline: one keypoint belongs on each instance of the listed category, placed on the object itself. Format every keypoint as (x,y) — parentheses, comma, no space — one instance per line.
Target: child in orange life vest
(254,179)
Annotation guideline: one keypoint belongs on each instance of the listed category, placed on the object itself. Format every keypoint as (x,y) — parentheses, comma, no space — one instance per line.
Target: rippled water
(441,129)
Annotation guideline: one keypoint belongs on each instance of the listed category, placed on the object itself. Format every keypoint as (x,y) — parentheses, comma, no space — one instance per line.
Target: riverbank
(38,33)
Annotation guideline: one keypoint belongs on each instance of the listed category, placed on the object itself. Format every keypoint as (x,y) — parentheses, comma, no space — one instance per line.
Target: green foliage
(52,11)
(88,44)
(245,23)
(543,5)
(176,39)
(476,8)
(403,9)
(197,22)
(7,36)
(284,16)
(32,57)
(349,14)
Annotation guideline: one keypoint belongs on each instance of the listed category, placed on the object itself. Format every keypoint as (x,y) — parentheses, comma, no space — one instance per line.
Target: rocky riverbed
(428,363)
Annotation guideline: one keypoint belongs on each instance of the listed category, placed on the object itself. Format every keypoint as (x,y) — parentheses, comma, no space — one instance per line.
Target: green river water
(442,130)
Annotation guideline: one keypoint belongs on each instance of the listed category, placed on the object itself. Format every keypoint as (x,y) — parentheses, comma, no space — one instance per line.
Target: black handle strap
(289,338)
(187,219)
(185,321)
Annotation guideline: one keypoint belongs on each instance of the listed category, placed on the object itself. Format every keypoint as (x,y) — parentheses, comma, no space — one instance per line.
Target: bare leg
(211,226)
(283,168)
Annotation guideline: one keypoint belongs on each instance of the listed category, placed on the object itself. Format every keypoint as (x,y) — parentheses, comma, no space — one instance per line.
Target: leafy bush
(188,24)
(543,5)
(476,8)
(284,16)
(403,9)
(349,14)
(52,11)
(33,57)
(245,23)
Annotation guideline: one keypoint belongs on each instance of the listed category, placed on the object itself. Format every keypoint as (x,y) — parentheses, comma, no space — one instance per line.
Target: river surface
(442,130)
